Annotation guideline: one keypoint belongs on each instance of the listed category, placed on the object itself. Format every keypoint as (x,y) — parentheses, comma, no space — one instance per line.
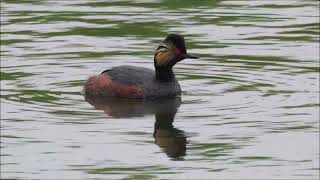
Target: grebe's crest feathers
(165,54)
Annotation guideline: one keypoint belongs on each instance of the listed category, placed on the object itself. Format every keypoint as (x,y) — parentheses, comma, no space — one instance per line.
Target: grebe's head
(170,51)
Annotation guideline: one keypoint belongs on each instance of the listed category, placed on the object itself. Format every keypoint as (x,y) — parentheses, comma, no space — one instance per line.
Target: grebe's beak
(189,56)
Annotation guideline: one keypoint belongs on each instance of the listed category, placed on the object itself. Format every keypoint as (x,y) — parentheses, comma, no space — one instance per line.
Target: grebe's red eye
(178,52)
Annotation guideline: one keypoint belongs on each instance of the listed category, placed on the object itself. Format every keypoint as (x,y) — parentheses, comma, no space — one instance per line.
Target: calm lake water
(249,107)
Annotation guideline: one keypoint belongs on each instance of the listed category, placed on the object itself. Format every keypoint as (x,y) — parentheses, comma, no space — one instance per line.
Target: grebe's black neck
(164,74)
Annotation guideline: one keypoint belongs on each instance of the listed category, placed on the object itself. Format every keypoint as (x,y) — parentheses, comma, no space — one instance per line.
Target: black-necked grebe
(143,83)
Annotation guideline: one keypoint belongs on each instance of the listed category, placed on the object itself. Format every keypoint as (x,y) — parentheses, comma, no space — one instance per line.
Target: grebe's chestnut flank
(143,83)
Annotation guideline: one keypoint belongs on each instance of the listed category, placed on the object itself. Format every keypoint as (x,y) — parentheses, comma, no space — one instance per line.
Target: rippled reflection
(172,140)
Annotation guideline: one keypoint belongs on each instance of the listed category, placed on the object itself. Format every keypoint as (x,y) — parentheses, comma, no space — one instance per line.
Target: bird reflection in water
(170,139)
